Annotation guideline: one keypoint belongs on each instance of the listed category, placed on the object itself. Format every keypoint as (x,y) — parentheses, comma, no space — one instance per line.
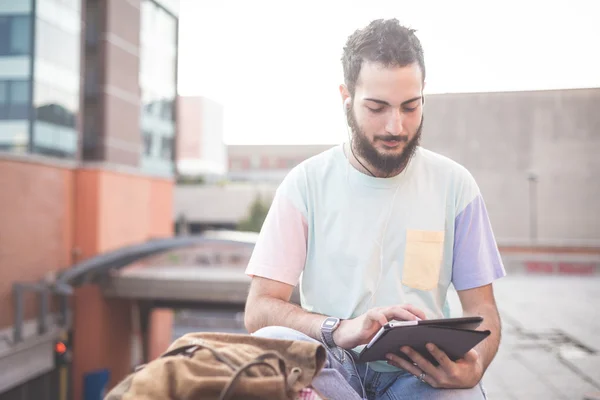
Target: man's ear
(344,92)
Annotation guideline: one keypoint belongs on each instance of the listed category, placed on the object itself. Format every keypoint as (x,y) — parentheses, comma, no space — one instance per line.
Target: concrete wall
(502,138)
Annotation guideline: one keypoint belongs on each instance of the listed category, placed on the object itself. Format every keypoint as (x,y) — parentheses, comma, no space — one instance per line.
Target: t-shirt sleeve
(476,259)
(280,251)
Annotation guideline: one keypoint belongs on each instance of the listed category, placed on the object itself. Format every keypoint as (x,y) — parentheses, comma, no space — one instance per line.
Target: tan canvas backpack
(226,366)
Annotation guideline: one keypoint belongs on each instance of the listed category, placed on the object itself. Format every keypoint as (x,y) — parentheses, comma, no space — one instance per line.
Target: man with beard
(375,230)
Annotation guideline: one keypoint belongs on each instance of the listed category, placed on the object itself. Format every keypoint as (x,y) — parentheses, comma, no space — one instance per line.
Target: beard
(386,164)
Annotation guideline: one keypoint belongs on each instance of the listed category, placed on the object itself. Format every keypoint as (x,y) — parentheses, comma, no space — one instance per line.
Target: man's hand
(360,330)
(460,374)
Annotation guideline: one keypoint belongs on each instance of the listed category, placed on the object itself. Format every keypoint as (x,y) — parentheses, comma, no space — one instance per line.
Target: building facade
(87,133)
(200,149)
(39,76)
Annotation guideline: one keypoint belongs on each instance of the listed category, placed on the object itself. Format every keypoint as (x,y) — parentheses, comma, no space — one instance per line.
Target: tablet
(455,336)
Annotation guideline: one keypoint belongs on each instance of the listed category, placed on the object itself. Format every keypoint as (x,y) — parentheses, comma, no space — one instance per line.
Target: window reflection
(57,46)
(158,52)
(55,106)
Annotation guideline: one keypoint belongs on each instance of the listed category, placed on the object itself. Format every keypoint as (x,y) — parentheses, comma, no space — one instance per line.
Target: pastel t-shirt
(354,242)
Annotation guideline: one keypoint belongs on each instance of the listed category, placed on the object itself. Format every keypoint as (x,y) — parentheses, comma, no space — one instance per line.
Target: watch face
(330,323)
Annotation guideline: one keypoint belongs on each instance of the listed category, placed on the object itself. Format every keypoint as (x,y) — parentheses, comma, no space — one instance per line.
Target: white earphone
(347,104)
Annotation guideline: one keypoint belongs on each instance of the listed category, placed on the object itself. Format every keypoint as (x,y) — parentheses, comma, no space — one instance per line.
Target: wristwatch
(327,328)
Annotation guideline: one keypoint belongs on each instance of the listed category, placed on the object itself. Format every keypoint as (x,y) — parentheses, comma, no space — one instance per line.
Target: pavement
(550,347)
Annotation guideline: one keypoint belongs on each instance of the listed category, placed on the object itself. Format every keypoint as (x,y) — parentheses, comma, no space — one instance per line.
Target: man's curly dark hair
(382,41)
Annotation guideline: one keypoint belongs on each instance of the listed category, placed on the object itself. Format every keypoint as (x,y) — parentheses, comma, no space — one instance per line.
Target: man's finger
(399,362)
(441,357)
(402,363)
(399,313)
(416,311)
(422,362)
(377,316)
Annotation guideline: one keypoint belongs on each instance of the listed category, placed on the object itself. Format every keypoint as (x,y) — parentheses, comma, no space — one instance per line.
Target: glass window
(73,4)
(20,35)
(158,34)
(15,35)
(147,143)
(3,92)
(55,106)
(57,46)
(4,100)
(4,35)
(53,140)
(167,26)
(14,100)
(167,110)
(19,92)
(166,148)
(158,48)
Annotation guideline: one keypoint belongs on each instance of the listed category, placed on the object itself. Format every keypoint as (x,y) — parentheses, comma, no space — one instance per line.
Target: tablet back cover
(455,342)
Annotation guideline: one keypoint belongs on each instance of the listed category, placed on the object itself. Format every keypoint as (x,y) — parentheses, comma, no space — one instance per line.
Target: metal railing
(44,291)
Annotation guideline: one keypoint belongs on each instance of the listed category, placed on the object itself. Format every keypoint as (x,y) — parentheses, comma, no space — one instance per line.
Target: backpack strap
(189,350)
(288,381)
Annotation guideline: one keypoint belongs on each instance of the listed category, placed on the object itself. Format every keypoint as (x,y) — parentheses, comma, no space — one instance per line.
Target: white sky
(276,68)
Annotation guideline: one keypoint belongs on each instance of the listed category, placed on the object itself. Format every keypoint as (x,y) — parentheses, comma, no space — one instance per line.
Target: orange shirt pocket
(423,258)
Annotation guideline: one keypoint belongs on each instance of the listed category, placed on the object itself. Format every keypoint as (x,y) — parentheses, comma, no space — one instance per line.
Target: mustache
(403,138)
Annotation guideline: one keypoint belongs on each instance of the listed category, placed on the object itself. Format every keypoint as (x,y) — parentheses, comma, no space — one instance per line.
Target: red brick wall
(36,232)
(48,210)
(113,210)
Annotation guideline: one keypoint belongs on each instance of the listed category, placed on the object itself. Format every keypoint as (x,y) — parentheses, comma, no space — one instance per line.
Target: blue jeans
(342,378)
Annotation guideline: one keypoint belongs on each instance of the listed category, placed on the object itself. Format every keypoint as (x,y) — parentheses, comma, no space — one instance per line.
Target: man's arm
(268,304)
(481,302)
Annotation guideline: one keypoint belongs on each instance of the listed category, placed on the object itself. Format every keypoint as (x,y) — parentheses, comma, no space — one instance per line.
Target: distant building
(207,207)
(254,172)
(200,147)
(267,163)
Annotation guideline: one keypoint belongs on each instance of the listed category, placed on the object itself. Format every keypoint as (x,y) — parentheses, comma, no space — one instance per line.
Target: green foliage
(256,216)
(191,180)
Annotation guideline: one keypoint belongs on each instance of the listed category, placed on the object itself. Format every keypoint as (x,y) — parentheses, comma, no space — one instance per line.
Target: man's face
(386,115)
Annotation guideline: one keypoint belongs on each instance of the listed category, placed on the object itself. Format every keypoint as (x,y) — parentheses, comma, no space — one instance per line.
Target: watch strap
(328,338)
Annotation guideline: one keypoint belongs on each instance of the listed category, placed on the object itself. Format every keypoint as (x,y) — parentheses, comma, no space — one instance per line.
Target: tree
(256,216)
